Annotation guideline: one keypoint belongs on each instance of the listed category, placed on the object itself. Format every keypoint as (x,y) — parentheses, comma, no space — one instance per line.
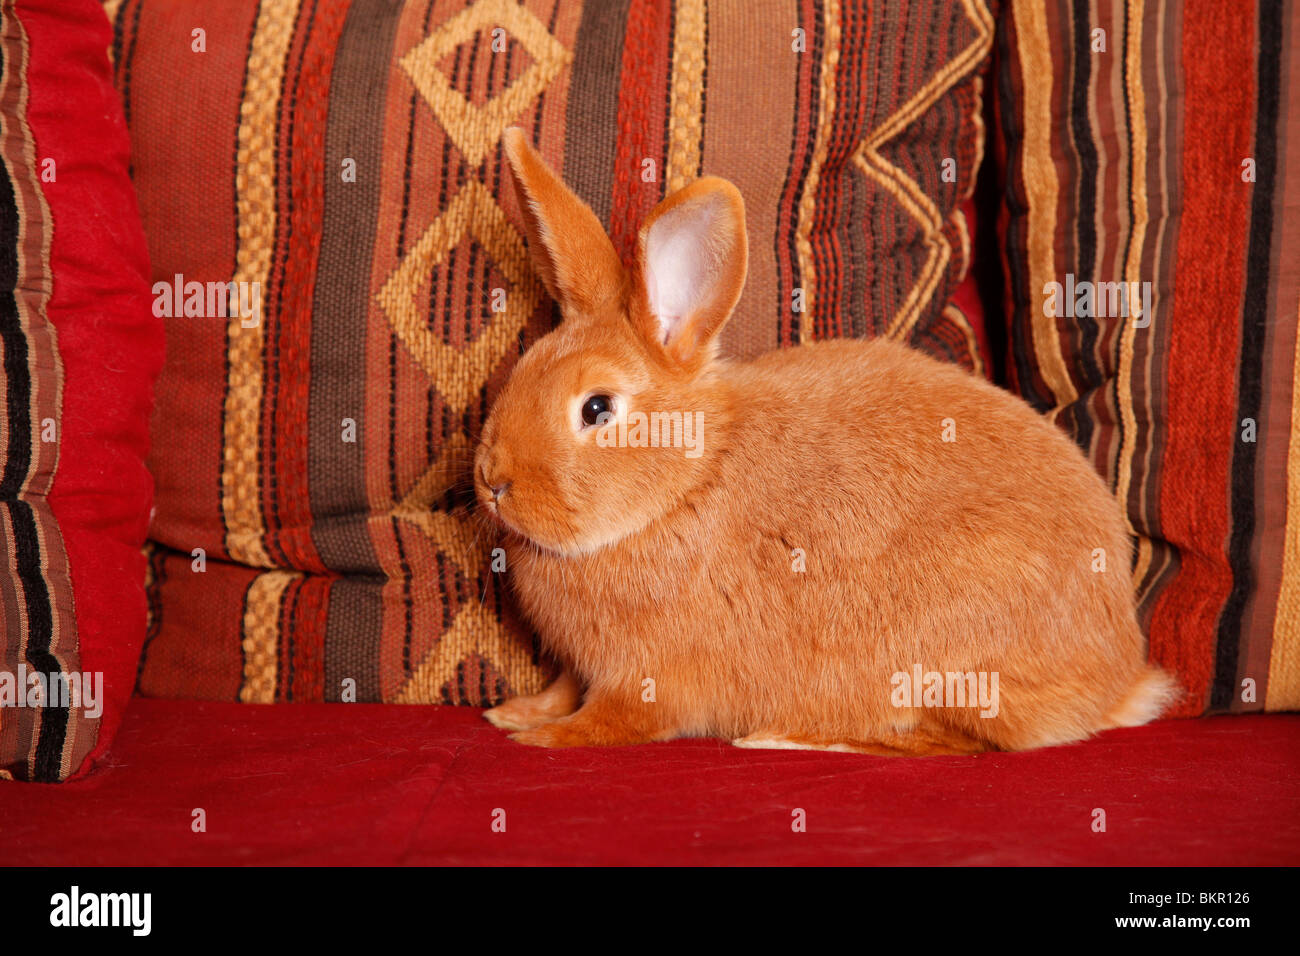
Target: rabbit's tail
(1148,699)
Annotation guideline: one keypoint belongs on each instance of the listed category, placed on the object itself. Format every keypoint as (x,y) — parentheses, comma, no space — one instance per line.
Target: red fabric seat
(371,784)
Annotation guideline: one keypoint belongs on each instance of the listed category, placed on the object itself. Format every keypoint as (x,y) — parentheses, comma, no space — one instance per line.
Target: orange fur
(641,564)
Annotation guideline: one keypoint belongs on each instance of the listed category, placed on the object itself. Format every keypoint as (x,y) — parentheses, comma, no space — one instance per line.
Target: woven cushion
(312,535)
(1159,158)
(81,350)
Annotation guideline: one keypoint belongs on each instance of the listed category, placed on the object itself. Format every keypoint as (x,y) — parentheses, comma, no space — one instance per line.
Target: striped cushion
(1147,144)
(81,350)
(312,536)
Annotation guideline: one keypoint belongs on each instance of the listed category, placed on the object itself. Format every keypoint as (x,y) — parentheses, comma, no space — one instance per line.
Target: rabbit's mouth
(545,536)
(552,529)
(501,506)
(512,526)
(489,498)
(495,510)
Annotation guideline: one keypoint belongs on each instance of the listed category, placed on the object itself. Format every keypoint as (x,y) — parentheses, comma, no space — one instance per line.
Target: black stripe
(125,68)
(1250,382)
(1087,367)
(985,251)
(861,311)
(668,103)
(40,637)
(841,191)
(408,600)
(539,108)
(704,94)
(153,595)
(116,47)
(18,381)
(1017,209)
(786,279)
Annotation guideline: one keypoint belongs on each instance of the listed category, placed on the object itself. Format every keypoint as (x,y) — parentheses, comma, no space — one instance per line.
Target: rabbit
(857,517)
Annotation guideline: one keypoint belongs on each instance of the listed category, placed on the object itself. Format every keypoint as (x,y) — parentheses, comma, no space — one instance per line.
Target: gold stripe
(963,233)
(908,194)
(150,582)
(1034,49)
(1284,656)
(111,7)
(475,630)
(1137,178)
(476,129)
(256,205)
(261,635)
(459,373)
(687,95)
(1142,564)
(803,230)
(959,319)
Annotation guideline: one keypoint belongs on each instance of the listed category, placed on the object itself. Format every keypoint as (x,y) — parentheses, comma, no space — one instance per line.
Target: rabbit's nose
(492,482)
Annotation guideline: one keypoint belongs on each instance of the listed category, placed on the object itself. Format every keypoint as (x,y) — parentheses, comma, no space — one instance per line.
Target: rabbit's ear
(569,247)
(692,258)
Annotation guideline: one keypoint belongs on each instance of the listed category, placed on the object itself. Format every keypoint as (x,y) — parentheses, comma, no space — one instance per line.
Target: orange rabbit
(818,535)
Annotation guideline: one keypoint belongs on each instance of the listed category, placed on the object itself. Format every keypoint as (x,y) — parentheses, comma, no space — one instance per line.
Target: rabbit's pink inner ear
(680,271)
(693,260)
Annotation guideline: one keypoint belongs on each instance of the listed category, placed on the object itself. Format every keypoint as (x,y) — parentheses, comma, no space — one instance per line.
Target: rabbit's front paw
(596,724)
(525,713)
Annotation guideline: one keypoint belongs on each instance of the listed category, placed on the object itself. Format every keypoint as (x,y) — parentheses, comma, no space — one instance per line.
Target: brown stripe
(336,469)
(593,104)
(1156,561)
(740,113)
(1041,189)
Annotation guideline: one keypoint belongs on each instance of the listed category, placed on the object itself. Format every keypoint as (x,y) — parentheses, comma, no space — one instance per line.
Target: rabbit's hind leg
(919,742)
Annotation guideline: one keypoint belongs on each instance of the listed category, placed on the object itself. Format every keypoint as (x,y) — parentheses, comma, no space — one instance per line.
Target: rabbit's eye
(597,410)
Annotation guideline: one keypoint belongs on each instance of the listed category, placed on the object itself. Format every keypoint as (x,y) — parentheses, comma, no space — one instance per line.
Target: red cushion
(381,784)
(1175,177)
(348,157)
(109,351)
